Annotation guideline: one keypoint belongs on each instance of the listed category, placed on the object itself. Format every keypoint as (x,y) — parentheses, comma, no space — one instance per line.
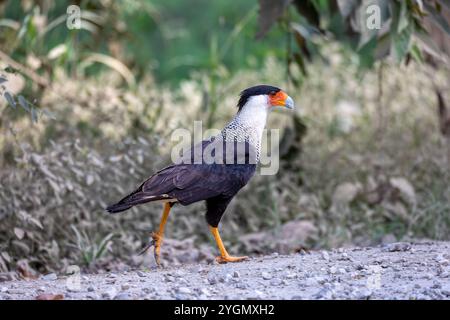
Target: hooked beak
(289,103)
(281,99)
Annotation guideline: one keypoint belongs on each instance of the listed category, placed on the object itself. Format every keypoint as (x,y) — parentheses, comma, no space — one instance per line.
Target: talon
(225,259)
(150,244)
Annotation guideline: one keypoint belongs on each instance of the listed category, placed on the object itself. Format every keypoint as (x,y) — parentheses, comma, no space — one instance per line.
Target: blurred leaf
(269,12)
(24,103)
(383,46)
(308,9)
(401,43)
(34,115)
(112,63)
(416,53)
(10,69)
(2,80)
(19,233)
(10,24)
(57,51)
(445,3)
(428,45)
(103,245)
(49,114)
(438,18)
(36,222)
(406,189)
(403,20)
(6,256)
(346,7)
(10,99)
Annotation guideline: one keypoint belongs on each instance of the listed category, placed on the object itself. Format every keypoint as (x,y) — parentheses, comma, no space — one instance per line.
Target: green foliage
(14,101)
(374,29)
(169,39)
(91,251)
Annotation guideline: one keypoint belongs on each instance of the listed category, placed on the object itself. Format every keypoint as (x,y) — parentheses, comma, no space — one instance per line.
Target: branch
(25,70)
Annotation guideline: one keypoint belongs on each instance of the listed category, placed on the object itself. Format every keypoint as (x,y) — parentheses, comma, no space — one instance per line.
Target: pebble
(257,294)
(184,290)
(290,275)
(90,289)
(241,285)
(326,294)
(325,255)
(445,290)
(397,246)
(125,286)
(110,293)
(50,277)
(364,294)
(266,276)
(275,282)
(236,274)
(140,274)
(225,278)
(15,291)
(205,292)
(122,296)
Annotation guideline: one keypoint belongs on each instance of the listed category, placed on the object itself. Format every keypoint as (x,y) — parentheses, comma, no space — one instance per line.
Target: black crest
(255,91)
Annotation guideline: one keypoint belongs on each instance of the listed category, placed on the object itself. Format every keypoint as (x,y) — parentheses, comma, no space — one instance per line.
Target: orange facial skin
(278,99)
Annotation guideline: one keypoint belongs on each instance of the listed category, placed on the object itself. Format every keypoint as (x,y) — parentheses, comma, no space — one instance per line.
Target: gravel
(418,270)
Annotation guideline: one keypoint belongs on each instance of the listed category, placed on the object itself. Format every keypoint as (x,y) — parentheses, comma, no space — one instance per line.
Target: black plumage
(214,170)
(186,183)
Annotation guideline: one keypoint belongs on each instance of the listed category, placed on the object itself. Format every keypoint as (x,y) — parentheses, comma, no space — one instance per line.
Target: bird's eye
(272,93)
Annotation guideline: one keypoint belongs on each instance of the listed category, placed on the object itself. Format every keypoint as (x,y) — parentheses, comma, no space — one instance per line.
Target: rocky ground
(419,270)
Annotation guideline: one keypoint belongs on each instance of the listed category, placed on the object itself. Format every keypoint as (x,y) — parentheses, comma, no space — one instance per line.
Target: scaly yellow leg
(224,256)
(158,236)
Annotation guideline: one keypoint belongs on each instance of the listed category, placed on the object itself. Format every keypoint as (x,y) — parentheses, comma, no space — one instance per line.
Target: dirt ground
(403,270)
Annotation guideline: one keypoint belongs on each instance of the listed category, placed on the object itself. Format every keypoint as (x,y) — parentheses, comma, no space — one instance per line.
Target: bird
(219,174)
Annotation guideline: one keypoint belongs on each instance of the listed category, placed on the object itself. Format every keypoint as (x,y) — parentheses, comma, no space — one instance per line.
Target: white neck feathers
(249,123)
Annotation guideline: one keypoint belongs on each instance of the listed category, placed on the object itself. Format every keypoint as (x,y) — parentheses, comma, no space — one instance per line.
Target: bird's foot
(157,240)
(227,258)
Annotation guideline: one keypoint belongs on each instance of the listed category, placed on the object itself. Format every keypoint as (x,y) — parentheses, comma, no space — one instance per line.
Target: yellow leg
(158,236)
(224,256)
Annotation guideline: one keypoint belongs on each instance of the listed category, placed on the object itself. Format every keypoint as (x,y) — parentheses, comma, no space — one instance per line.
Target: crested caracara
(213,170)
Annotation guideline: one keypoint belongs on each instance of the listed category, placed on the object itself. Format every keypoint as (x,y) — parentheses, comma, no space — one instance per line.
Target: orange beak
(281,99)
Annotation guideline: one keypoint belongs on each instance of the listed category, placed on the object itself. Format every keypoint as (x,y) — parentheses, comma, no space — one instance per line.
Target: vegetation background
(87,114)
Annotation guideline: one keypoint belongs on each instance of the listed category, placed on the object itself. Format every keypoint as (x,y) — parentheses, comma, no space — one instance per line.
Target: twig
(25,70)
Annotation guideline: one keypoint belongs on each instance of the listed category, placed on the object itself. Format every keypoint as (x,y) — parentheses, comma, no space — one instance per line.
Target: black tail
(133,199)
(118,207)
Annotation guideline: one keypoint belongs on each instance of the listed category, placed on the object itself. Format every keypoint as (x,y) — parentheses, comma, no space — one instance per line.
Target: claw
(155,242)
(147,246)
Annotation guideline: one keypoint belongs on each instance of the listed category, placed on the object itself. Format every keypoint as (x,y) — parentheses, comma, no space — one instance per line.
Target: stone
(49,277)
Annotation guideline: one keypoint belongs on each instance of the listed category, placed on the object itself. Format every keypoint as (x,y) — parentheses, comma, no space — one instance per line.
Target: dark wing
(188,183)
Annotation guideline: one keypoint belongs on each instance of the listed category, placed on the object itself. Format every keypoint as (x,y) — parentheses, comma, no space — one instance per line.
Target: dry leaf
(406,189)
(346,193)
(19,233)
